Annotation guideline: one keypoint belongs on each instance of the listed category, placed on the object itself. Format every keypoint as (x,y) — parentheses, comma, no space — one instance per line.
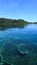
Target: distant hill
(34,22)
(12,23)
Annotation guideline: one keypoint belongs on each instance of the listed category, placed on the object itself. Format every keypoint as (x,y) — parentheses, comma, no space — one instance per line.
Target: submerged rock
(5,63)
(22,50)
(1,63)
(10,53)
(0,58)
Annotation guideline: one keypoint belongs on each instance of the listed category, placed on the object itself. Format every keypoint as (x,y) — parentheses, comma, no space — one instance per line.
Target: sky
(19,9)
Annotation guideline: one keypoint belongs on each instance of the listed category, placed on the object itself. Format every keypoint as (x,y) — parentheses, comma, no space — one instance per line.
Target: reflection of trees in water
(20,27)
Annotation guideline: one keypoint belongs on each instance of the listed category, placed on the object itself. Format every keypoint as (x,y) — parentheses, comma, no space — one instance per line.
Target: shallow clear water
(26,36)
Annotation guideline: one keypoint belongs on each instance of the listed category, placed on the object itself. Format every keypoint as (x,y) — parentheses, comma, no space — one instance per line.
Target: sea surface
(26,36)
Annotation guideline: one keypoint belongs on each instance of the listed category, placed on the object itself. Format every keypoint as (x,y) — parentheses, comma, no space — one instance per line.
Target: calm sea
(26,36)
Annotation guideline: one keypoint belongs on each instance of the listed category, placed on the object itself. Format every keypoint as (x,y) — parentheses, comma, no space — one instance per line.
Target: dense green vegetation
(9,23)
(13,23)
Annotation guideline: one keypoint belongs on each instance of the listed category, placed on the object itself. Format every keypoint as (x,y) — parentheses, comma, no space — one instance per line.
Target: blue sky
(19,9)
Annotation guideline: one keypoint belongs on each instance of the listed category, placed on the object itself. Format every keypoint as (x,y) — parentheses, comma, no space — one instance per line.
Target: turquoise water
(26,36)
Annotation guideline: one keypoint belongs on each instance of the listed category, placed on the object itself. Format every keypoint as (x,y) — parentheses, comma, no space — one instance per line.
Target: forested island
(12,23)
(6,23)
(34,22)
